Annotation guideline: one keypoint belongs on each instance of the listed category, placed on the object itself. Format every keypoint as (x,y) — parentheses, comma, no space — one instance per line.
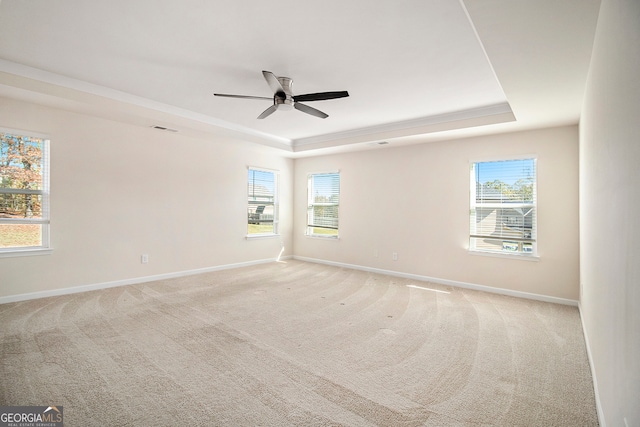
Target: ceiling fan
(284,99)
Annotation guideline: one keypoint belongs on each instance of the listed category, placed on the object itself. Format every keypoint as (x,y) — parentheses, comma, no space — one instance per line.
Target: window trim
(276,204)
(534,255)
(27,251)
(310,204)
(45,247)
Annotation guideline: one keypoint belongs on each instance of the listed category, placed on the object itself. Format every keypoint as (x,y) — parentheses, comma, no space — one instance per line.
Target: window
(24,192)
(262,206)
(503,207)
(323,190)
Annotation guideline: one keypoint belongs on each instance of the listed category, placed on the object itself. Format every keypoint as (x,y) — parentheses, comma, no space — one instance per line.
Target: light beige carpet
(296,343)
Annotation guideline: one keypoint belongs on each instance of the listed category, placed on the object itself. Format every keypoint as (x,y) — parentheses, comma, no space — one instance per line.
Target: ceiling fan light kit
(284,99)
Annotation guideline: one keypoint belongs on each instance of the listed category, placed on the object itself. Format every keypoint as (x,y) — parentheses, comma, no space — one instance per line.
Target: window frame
(275,203)
(310,226)
(532,255)
(45,221)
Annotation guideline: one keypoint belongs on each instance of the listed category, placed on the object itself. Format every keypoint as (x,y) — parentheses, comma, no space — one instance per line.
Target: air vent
(164,129)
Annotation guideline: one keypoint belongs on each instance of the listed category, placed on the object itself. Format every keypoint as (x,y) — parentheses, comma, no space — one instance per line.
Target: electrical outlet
(144,258)
(394,256)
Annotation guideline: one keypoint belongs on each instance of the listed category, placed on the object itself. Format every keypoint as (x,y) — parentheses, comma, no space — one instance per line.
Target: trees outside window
(24,192)
(503,207)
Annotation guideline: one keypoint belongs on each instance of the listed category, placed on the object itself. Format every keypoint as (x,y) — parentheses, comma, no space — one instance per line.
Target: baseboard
(125,282)
(133,281)
(601,420)
(448,282)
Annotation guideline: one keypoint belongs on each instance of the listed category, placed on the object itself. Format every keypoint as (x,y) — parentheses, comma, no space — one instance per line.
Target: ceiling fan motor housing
(284,102)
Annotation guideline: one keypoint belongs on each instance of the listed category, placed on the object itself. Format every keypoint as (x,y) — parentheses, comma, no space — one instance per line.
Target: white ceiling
(416,70)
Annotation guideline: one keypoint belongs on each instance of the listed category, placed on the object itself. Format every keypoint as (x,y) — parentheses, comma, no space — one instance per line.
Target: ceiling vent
(164,129)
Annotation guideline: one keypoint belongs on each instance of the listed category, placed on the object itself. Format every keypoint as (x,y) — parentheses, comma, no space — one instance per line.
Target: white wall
(414,200)
(119,191)
(610,211)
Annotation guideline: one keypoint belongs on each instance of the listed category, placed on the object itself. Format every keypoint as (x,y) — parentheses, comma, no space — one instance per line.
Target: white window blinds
(503,207)
(24,192)
(324,201)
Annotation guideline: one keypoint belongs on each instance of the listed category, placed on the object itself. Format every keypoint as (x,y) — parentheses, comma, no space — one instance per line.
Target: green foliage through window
(23,191)
(262,202)
(503,206)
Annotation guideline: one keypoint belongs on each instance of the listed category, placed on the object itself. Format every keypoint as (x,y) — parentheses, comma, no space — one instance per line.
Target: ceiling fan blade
(321,96)
(268,111)
(273,82)
(310,110)
(242,96)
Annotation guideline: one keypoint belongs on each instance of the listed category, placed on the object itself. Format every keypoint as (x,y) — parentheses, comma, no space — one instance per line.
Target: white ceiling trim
(492,114)
(93,96)
(19,75)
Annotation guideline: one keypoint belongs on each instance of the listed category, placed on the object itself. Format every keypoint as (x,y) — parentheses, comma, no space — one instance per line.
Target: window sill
(25,252)
(521,257)
(321,236)
(261,236)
